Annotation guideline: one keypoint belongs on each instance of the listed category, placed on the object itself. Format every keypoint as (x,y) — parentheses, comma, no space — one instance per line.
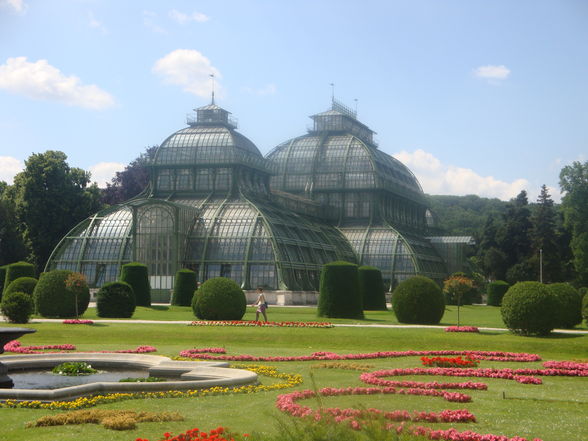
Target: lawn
(553,411)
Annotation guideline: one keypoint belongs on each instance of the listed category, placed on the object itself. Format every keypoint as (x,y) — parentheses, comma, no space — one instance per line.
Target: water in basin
(43,379)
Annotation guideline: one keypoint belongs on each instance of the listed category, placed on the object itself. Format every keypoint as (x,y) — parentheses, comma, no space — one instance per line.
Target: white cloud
(96,24)
(268,89)
(438,178)
(17,6)
(183,18)
(189,69)
(9,167)
(492,72)
(103,172)
(41,81)
(149,21)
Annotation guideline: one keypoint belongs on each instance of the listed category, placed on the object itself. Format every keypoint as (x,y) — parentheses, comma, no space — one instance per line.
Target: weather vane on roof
(212,79)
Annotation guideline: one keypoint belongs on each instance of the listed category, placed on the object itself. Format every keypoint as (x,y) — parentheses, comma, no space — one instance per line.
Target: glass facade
(217,206)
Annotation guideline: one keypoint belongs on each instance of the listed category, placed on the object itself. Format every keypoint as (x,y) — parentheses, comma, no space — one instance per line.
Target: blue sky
(476,97)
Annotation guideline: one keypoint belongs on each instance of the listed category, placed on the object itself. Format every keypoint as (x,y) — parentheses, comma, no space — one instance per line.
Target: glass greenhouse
(215,205)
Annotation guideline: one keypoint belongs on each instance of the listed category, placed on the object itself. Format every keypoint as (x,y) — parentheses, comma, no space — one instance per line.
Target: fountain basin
(6,335)
(189,374)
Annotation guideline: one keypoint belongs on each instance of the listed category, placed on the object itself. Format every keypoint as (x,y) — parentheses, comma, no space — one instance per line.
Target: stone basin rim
(193,374)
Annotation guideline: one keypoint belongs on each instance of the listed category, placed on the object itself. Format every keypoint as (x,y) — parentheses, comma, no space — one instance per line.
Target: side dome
(339,154)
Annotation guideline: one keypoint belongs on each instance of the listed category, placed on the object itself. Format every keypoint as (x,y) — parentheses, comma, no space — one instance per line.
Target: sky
(474,96)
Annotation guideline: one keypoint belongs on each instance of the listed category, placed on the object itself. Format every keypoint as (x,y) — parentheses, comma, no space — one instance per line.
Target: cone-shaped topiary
(372,288)
(219,298)
(418,300)
(135,274)
(184,287)
(54,299)
(17,307)
(16,270)
(22,284)
(495,292)
(115,300)
(340,296)
(529,308)
(570,304)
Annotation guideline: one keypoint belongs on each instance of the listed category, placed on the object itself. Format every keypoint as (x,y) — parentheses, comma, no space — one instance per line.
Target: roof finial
(332,93)
(355,99)
(212,78)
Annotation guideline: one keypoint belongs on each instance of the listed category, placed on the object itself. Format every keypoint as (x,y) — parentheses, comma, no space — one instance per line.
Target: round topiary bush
(16,270)
(418,300)
(115,300)
(495,292)
(219,298)
(184,287)
(54,299)
(17,307)
(135,274)
(528,308)
(340,296)
(371,287)
(22,284)
(569,311)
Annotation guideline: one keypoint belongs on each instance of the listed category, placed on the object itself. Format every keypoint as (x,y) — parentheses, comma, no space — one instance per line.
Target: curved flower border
(262,324)
(17,348)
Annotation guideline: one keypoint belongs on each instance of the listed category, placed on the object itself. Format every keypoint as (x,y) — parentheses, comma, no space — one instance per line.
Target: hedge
(528,308)
(219,298)
(495,292)
(372,288)
(184,287)
(418,300)
(115,300)
(135,274)
(340,295)
(53,299)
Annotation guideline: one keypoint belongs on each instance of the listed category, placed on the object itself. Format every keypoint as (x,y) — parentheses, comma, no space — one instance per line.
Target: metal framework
(216,205)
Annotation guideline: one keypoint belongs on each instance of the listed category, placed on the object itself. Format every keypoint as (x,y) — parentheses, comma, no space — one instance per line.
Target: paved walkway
(339,325)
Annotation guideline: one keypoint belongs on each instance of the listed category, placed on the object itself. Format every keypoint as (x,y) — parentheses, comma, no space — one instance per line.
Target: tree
(573,181)
(131,181)
(544,237)
(50,198)
(12,247)
(457,287)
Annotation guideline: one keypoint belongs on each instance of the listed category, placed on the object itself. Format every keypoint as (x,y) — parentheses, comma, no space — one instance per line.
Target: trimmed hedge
(496,291)
(115,300)
(3,269)
(528,308)
(340,295)
(219,298)
(184,287)
(17,270)
(17,307)
(570,309)
(135,274)
(372,288)
(53,299)
(585,308)
(22,284)
(418,300)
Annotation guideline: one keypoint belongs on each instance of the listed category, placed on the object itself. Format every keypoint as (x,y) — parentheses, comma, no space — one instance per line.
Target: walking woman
(261,305)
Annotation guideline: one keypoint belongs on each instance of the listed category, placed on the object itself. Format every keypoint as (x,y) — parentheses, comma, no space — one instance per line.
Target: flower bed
(461,329)
(218,434)
(77,322)
(456,362)
(253,323)
(17,348)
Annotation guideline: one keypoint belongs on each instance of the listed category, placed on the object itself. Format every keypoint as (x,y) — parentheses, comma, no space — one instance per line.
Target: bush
(585,308)
(135,274)
(115,300)
(569,311)
(3,269)
(219,298)
(22,284)
(184,287)
(418,300)
(53,298)
(371,287)
(495,292)
(17,307)
(16,270)
(340,295)
(528,309)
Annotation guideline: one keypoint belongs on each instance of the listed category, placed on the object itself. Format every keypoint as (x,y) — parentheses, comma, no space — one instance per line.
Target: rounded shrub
(569,311)
(528,308)
(22,284)
(17,306)
(372,288)
(495,292)
(54,299)
(418,300)
(16,270)
(219,298)
(340,295)
(184,287)
(115,300)
(135,274)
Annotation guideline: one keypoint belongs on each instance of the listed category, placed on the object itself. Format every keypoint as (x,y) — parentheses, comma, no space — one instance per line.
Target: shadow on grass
(159,307)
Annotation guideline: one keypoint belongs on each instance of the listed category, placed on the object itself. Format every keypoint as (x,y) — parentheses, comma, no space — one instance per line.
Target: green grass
(554,411)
